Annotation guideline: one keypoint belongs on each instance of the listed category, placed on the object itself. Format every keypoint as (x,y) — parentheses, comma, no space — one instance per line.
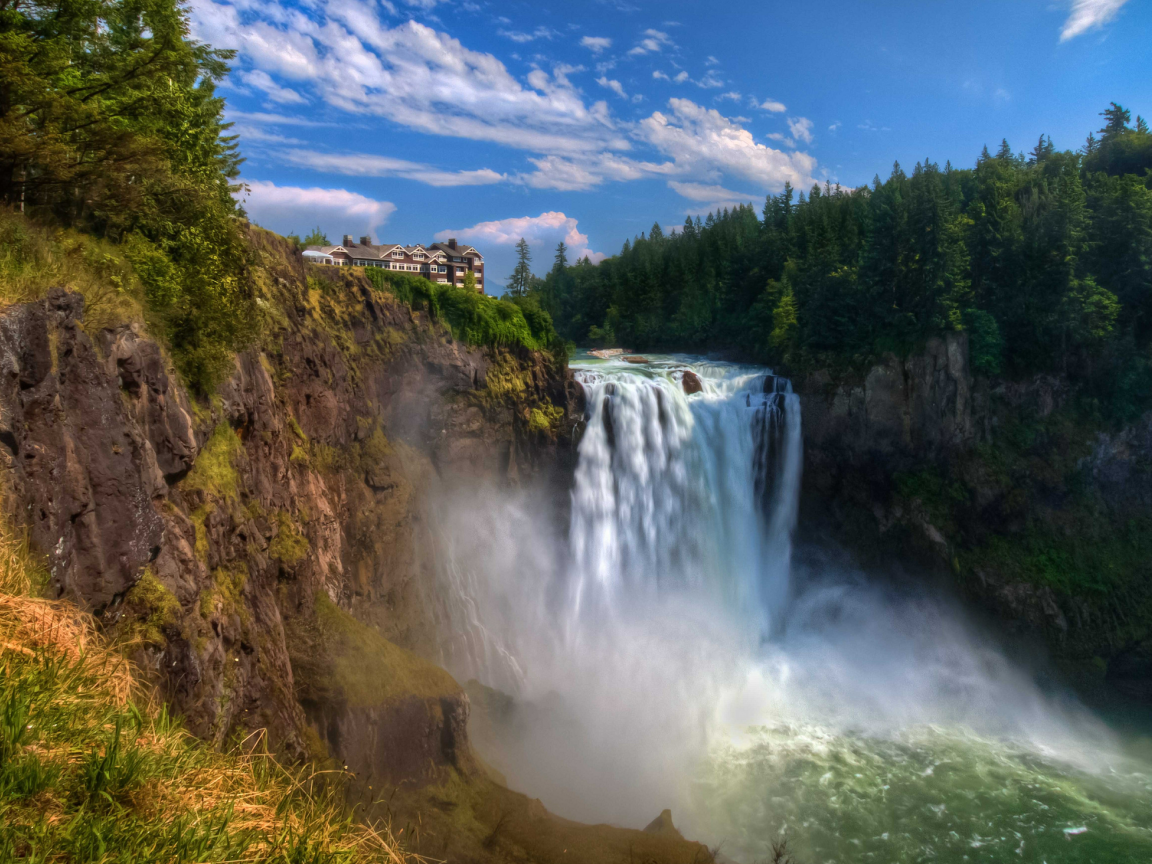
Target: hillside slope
(265,556)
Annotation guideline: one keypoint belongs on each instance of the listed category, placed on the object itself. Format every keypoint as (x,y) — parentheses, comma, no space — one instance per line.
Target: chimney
(365,241)
(452,243)
(347,240)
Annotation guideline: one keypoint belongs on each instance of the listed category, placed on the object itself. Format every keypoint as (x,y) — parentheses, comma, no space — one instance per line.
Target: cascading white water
(684,494)
(663,657)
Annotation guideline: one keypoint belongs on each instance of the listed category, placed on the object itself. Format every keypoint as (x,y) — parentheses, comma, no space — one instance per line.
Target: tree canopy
(1044,259)
(109,122)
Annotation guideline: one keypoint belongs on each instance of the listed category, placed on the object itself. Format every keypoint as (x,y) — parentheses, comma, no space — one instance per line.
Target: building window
(397,253)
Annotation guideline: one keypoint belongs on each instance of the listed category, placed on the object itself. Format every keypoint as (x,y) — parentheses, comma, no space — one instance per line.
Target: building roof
(458,251)
(362,251)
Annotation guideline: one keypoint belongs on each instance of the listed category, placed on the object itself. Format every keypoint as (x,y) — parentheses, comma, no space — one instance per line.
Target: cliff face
(1038,515)
(265,554)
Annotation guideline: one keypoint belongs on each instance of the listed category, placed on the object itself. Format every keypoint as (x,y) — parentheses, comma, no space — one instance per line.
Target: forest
(1044,258)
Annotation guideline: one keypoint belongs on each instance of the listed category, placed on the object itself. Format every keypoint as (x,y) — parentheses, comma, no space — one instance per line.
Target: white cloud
(337,211)
(660,76)
(546,229)
(410,74)
(801,129)
(344,56)
(710,79)
(263,81)
(653,42)
(707,194)
(701,141)
(538,33)
(835,126)
(368,165)
(731,94)
(1089,14)
(773,106)
(596,44)
(615,86)
(556,172)
(712,61)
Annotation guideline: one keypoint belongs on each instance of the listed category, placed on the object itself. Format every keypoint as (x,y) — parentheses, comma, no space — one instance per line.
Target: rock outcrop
(998,483)
(220,537)
(266,554)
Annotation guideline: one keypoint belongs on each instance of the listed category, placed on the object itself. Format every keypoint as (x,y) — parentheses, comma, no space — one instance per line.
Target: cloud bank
(546,230)
(290,209)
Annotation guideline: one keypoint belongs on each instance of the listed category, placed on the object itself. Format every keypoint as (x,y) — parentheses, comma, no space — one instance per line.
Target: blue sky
(586,121)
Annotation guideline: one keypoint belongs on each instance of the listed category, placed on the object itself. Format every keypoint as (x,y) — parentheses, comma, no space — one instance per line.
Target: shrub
(473,318)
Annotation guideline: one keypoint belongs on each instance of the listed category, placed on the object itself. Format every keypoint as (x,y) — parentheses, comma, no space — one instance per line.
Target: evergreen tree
(560,263)
(521,278)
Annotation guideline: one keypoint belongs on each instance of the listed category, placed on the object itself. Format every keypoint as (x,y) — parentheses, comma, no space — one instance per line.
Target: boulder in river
(691,382)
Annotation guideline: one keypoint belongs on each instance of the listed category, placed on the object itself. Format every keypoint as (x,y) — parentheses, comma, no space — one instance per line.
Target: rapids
(678,652)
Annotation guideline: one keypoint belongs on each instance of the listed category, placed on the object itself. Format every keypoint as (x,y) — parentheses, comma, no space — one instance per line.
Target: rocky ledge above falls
(1039,515)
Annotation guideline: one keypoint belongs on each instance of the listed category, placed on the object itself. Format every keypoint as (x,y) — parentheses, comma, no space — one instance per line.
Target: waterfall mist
(667,618)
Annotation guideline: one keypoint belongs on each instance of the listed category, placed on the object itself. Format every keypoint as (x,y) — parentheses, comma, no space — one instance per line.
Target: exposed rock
(82,471)
(1130,671)
(691,382)
(663,826)
(911,460)
(635,358)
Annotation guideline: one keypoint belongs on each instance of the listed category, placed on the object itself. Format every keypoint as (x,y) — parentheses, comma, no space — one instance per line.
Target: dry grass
(90,770)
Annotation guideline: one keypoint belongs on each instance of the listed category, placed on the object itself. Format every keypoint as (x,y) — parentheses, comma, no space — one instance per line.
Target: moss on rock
(152,610)
(289,545)
(352,660)
(214,472)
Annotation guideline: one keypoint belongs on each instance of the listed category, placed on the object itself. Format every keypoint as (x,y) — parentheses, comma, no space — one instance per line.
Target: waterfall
(644,648)
(684,494)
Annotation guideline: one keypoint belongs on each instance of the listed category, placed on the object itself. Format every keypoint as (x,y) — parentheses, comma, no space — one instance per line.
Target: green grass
(35,258)
(90,771)
(473,318)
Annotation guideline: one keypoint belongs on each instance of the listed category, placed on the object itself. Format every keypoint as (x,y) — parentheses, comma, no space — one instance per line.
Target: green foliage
(109,122)
(521,278)
(316,237)
(985,347)
(1045,260)
(213,471)
(473,318)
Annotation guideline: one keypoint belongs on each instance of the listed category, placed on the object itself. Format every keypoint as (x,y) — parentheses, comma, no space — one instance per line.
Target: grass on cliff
(473,318)
(91,771)
(34,258)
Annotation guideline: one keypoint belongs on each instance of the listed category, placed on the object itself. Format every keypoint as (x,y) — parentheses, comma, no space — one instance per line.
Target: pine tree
(560,263)
(521,278)
(1117,117)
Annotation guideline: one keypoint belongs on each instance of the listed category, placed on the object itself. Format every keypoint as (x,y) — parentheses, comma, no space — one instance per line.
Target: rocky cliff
(265,554)
(1038,513)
